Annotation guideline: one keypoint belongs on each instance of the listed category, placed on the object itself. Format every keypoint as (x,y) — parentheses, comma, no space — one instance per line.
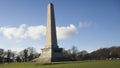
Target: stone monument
(51,52)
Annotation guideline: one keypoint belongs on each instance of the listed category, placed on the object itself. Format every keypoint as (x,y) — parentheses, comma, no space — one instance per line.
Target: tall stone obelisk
(51,38)
(51,52)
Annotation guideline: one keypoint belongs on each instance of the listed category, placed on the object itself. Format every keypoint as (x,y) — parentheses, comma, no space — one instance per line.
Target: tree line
(25,55)
(99,54)
(74,54)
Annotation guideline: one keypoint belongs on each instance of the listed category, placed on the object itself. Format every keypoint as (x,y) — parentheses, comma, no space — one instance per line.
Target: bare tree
(31,53)
(2,55)
(74,52)
(25,55)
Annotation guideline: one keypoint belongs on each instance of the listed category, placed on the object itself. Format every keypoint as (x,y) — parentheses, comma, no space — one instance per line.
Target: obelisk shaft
(51,38)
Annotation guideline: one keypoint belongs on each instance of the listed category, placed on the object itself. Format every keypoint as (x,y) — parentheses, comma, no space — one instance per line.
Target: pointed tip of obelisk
(50,3)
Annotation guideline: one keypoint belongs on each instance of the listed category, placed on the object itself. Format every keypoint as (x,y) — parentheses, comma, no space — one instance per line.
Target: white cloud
(84,24)
(23,32)
(10,32)
(36,32)
(66,32)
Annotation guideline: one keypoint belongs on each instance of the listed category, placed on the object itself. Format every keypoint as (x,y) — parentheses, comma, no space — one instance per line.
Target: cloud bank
(36,32)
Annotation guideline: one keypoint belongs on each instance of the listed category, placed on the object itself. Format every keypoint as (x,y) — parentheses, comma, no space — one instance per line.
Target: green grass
(75,64)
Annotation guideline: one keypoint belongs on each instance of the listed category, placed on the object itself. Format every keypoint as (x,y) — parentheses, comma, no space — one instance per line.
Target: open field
(75,64)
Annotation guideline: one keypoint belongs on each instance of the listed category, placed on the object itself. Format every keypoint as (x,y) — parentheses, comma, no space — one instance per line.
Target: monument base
(52,55)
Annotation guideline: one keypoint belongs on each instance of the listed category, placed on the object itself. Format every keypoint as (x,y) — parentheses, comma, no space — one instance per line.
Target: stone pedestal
(51,55)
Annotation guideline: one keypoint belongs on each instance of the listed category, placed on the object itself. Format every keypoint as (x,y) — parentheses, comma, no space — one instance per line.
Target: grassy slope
(76,64)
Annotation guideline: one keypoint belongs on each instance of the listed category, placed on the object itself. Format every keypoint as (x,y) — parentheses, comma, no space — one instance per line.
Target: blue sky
(87,24)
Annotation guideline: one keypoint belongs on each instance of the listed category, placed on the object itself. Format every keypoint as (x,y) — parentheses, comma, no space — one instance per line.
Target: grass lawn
(74,64)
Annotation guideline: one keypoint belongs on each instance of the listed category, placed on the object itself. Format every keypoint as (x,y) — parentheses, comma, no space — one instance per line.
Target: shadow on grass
(53,63)
(60,63)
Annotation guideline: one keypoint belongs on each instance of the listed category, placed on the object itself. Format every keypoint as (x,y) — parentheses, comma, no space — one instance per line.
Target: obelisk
(51,52)
(51,38)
